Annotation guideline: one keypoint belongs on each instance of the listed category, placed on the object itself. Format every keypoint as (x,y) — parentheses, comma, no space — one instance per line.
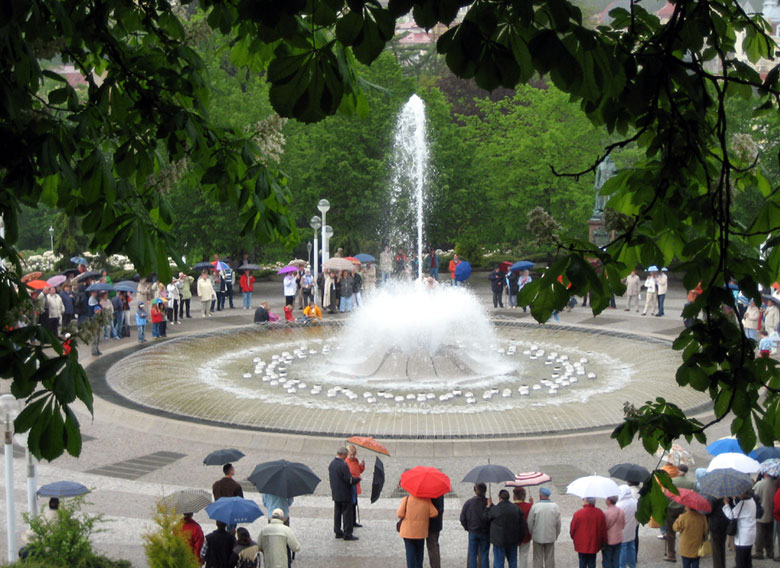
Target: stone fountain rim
(98,370)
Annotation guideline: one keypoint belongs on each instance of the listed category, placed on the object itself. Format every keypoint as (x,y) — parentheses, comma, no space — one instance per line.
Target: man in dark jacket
(434,528)
(341,482)
(218,548)
(507,529)
(227,486)
(474,519)
(497,285)
(513,287)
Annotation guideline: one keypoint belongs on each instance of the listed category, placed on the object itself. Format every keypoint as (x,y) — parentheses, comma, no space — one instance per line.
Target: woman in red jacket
(356,468)
(247,284)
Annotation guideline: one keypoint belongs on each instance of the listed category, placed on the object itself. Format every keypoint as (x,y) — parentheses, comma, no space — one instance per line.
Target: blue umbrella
(522,265)
(652,268)
(462,271)
(219,265)
(99,287)
(78,260)
(727,445)
(62,489)
(126,286)
(766,453)
(363,257)
(725,483)
(234,510)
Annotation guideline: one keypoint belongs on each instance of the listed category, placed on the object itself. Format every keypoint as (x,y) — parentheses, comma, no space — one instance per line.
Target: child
(692,528)
(140,322)
(157,318)
(765,344)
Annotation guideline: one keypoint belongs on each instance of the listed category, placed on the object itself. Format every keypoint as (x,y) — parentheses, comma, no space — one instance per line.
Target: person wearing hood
(628,503)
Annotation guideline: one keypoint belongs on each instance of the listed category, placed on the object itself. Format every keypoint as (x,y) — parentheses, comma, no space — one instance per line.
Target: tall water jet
(409,176)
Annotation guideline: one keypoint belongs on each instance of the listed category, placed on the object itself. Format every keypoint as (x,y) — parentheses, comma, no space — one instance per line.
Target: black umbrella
(379,480)
(489,473)
(85,275)
(223,456)
(283,478)
(249,267)
(629,472)
(203,266)
(99,287)
(70,272)
(775,301)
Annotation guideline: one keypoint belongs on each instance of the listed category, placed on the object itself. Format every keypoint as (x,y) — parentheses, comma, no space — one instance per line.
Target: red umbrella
(504,266)
(425,482)
(369,443)
(37,284)
(690,499)
(529,478)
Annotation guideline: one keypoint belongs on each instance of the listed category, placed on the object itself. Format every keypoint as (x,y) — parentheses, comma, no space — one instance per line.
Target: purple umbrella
(288,269)
(57,280)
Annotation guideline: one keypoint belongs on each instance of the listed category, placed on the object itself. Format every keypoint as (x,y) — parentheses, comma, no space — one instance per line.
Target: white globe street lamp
(323,206)
(315,224)
(9,409)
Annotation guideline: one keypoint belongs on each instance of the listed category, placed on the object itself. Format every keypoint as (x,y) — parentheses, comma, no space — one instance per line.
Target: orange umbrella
(369,443)
(37,284)
(31,276)
(352,259)
(776,286)
(425,482)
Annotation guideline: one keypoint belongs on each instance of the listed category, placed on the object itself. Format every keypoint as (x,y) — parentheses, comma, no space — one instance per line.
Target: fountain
(417,360)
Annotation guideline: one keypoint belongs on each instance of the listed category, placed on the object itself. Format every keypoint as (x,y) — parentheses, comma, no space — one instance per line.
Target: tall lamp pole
(323,206)
(328,230)
(51,237)
(9,407)
(315,224)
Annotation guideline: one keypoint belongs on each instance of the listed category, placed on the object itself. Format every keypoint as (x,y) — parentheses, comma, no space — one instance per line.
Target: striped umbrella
(529,479)
(770,467)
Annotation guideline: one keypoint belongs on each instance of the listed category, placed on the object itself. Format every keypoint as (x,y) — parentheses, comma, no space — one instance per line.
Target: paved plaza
(131,458)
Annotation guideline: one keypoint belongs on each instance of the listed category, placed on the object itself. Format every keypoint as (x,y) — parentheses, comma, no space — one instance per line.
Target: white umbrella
(733,460)
(593,486)
(337,263)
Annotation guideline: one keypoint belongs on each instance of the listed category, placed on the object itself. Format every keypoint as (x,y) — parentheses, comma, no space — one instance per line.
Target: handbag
(401,520)
(731,528)
(705,549)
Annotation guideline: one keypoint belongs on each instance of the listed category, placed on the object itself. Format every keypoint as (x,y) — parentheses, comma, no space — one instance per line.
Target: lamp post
(51,237)
(328,231)
(32,474)
(9,407)
(323,206)
(308,250)
(315,224)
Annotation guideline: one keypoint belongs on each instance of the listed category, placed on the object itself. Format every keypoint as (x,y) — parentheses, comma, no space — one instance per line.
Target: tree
(664,86)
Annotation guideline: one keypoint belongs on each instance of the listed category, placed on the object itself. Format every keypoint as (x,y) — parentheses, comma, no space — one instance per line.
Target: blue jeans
(155,329)
(141,332)
(434,273)
(661,298)
(385,276)
(479,543)
(627,555)
(247,300)
(346,304)
(501,552)
(587,560)
(415,552)
(610,556)
(690,562)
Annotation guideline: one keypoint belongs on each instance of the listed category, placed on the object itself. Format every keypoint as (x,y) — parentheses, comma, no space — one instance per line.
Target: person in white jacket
(290,287)
(544,524)
(205,292)
(745,513)
(661,284)
(628,503)
(274,540)
(56,308)
(651,286)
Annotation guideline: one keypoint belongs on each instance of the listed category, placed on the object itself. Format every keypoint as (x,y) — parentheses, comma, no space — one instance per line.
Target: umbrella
(425,482)
(352,259)
(528,479)
(202,266)
(691,499)
(57,280)
(770,467)
(62,489)
(223,456)
(219,265)
(100,287)
(187,500)
(368,443)
(522,265)
(287,270)
(733,460)
(652,268)
(87,275)
(126,286)
(629,472)
(31,276)
(234,510)
(79,260)
(338,264)
(489,473)
(593,486)
(283,478)
(365,257)
(728,444)
(300,263)
(378,481)
(158,301)
(462,271)
(775,301)
(504,266)
(37,284)
(766,453)
(725,483)
(249,267)
(676,455)
(70,272)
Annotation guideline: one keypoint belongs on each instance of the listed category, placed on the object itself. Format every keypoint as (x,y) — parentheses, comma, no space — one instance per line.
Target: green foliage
(167,547)
(64,541)
(470,250)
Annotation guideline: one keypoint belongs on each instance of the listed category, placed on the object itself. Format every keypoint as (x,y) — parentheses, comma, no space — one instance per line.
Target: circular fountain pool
(386,374)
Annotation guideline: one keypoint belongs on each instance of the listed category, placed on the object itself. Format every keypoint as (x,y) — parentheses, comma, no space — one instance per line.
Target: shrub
(167,547)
